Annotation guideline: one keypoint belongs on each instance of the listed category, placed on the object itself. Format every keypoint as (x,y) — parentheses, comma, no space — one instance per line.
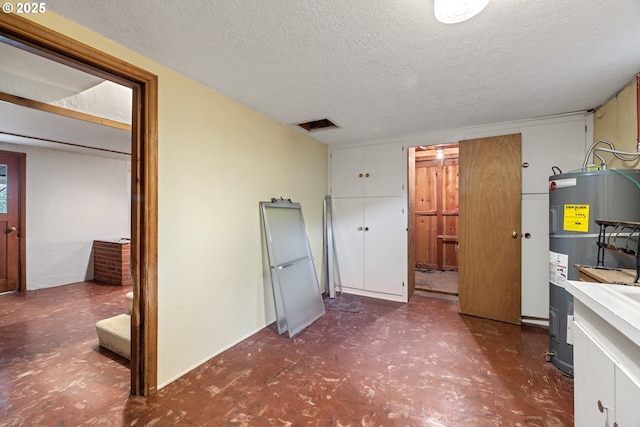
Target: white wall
(72,199)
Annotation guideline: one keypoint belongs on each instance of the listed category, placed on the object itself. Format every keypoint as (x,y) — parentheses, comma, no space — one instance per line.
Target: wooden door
(490,222)
(10,224)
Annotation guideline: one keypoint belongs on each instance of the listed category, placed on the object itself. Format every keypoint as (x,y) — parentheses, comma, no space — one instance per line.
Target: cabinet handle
(366,175)
(514,234)
(525,165)
(359,175)
(601,407)
(527,235)
(359,228)
(366,229)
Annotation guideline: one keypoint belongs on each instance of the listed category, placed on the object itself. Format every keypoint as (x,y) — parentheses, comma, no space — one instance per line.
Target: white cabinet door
(370,236)
(371,171)
(594,373)
(348,234)
(383,170)
(627,405)
(535,255)
(385,246)
(543,146)
(347,172)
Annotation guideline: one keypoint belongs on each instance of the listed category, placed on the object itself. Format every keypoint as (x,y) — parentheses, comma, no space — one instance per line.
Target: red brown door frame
(13,277)
(42,41)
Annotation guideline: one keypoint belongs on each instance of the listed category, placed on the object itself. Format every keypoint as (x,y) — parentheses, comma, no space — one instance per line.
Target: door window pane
(3,189)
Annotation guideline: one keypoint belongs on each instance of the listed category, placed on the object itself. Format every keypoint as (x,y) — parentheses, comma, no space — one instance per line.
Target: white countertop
(618,305)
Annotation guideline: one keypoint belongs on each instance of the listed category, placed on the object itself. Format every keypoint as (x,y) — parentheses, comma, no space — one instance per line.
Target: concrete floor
(445,282)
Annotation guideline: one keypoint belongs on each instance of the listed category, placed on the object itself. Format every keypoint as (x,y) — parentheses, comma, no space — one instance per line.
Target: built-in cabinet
(544,146)
(606,356)
(604,394)
(379,171)
(371,171)
(369,219)
(369,243)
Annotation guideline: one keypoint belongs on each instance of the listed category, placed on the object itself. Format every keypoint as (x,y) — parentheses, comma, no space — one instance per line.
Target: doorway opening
(434,213)
(34,38)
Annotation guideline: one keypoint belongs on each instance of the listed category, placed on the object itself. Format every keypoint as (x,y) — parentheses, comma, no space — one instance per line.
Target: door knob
(10,230)
(514,234)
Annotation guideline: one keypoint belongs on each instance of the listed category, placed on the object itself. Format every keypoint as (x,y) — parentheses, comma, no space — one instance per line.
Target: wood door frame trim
(411,208)
(66,112)
(40,40)
(22,176)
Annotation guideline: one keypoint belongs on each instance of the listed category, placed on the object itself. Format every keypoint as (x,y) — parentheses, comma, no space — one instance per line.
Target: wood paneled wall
(436,209)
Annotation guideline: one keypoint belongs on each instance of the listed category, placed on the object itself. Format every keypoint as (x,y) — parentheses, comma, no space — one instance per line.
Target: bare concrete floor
(444,282)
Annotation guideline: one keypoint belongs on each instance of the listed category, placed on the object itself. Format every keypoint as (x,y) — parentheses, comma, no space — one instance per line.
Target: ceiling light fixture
(454,11)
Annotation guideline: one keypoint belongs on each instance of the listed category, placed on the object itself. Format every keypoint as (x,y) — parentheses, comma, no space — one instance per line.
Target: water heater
(576,201)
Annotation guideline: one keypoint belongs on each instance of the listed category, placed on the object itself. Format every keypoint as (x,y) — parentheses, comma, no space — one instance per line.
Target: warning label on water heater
(576,218)
(558,268)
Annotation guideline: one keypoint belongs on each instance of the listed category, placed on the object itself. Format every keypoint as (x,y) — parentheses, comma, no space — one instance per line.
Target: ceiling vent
(317,125)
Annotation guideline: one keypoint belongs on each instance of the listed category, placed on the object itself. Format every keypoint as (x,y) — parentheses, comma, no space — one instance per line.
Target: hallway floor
(437,281)
(365,363)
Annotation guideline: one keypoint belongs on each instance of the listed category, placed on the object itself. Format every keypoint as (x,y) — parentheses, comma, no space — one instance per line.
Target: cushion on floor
(114,334)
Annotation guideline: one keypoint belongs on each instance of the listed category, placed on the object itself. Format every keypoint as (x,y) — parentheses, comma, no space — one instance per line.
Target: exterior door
(490,222)
(10,221)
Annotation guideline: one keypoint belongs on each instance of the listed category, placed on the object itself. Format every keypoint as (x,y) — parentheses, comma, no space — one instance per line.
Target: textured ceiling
(384,68)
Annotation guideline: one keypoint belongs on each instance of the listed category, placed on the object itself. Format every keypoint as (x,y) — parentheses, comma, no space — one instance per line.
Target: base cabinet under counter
(604,395)
(606,339)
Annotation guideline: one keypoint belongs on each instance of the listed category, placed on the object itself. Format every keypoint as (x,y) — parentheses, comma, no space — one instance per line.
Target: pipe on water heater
(638,111)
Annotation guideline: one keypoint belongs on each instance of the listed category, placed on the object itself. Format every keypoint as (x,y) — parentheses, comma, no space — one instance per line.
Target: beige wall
(616,121)
(217,160)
